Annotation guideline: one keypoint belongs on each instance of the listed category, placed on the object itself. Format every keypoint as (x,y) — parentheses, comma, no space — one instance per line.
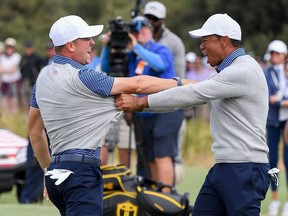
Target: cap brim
(92,31)
(200,33)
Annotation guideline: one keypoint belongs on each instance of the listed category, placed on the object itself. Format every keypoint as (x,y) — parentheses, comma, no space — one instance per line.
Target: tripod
(113,137)
(122,135)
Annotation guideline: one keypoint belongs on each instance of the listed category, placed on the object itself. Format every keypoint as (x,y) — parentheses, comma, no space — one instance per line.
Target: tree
(261,20)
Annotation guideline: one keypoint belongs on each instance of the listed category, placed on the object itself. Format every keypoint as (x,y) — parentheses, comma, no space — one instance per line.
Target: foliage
(15,123)
(197,144)
(261,20)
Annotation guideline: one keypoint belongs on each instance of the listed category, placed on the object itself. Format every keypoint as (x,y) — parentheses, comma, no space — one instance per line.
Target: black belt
(76,158)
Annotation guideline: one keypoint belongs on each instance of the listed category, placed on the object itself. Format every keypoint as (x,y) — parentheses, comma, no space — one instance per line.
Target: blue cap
(141,21)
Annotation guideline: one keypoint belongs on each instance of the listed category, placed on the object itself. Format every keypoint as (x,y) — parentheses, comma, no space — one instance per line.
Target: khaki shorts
(124,135)
(120,135)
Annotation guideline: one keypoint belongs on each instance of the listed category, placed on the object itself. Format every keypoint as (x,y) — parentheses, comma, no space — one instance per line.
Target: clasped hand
(126,103)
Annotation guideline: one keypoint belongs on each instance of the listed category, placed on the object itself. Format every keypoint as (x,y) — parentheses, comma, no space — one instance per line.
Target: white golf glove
(60,174)
(273,173)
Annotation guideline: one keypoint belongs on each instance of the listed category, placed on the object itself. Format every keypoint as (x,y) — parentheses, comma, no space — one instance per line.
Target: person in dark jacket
(30,66)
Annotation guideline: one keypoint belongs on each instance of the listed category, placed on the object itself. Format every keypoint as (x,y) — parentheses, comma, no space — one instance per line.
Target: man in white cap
(237,97)
(74,106)
(156,13)
(277,115)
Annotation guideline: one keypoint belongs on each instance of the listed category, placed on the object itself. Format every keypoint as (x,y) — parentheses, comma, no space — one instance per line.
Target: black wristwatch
(179,81)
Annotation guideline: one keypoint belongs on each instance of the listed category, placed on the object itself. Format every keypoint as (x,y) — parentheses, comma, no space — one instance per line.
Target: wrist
(142,102)
(45,170)
(179,81)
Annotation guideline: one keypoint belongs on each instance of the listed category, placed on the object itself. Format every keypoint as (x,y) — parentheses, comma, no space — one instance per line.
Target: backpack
(131,195)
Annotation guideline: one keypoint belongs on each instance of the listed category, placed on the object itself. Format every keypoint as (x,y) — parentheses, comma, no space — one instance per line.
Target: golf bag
(128,195)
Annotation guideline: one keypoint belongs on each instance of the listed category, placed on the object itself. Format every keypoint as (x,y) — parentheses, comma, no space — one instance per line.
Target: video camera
(119,32)
(119,41)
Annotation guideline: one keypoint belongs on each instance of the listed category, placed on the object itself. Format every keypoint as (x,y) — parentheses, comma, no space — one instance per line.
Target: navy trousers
(233,189)
(81,193)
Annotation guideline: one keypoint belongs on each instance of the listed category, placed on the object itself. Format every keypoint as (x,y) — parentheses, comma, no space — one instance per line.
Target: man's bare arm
(38,137)
(144,84)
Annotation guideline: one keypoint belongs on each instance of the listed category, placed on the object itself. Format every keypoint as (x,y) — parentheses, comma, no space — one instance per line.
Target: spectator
(190,58)
(158,130)
(278,102)
(238,181)
(121,135)
(30,66)
(50,52)
(156,12)
(11,76)
(198,72)
(94,59)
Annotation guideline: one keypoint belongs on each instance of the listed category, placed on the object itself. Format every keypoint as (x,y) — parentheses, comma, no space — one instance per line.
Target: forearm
(143,84)
(159,102)
(154,60)
(10,69)
(38,137)
(175,98)
(149,84)
(40,147)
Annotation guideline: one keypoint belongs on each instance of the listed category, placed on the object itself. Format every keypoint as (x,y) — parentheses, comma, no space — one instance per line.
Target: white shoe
(285,209)
(273,208)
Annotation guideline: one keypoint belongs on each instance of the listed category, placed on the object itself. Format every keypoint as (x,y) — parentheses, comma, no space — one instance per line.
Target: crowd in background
(19,72)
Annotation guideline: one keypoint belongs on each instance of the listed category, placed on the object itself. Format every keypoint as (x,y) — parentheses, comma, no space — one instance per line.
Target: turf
(191,183)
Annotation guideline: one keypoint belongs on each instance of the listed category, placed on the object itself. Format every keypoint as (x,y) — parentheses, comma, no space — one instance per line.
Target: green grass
(10,207)
(194,177)
(196,152)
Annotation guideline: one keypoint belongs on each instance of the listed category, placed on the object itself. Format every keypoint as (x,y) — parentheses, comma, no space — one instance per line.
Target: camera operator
(159,131)
(155,12)
(122,133)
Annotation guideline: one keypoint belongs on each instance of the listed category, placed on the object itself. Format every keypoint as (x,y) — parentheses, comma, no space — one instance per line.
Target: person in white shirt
(10,76)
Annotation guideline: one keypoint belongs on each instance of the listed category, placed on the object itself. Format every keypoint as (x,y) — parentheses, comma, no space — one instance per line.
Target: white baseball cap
(190,57)
(156,9)
(10,42)
(277,46)
(219,24)
(72,27)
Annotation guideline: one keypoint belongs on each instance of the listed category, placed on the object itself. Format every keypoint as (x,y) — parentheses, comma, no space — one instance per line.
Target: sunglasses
(151,17)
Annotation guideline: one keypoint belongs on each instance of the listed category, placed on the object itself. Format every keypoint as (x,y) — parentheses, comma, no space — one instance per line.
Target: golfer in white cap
(73,104)
(237,97)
